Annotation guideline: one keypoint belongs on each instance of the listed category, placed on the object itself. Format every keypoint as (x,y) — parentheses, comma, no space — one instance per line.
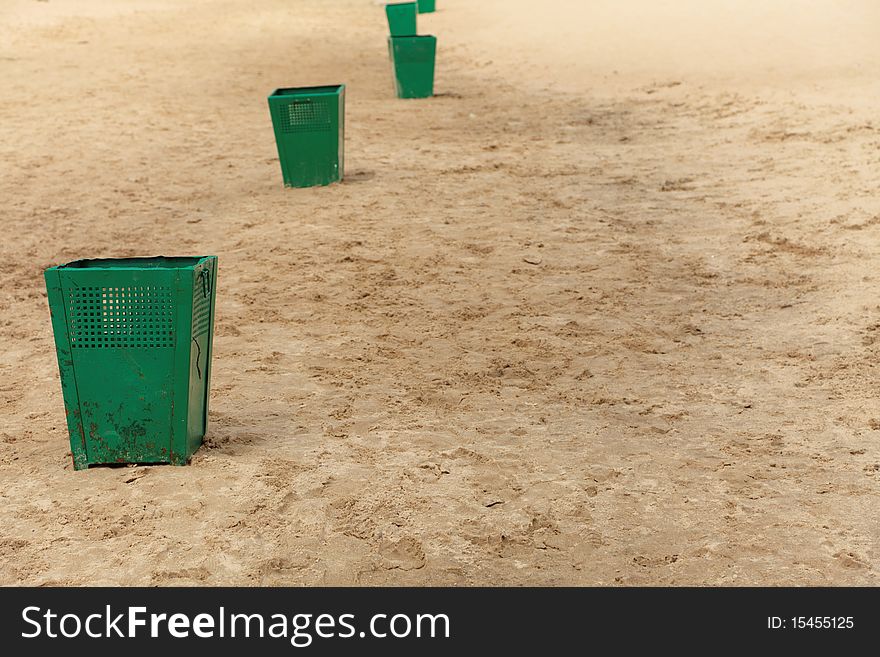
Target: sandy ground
(604,311)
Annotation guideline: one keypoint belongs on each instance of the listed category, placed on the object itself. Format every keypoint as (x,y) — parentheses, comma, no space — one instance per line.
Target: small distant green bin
(412,62)
(402,18)
(309,127)
(134,339)
(427,6)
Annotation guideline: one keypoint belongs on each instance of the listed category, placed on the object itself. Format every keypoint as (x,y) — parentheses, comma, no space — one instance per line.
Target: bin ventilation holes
(201,308)
(121,317)
(311,115)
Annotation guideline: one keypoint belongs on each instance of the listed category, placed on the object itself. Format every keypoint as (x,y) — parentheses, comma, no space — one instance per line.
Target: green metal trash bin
(134,340)
(309,127)
(402,18)
(412,61)
(427,6)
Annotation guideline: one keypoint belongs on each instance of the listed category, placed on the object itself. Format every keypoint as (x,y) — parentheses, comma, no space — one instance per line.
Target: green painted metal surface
(402,18)
(309,127)
(412,61)
(427,6)
(134,339)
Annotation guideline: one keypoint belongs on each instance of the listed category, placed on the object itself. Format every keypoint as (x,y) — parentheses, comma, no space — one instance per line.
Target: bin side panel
(182,283)
(122,338)
(204,294)
(307,132)
(413,64)
(402,18)
(427,6)
(340,133)
(66,370)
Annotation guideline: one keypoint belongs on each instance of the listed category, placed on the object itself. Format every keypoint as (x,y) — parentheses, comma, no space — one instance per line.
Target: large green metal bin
(402,18)
(427,6)
(134,340)
(412,62)
(309,127)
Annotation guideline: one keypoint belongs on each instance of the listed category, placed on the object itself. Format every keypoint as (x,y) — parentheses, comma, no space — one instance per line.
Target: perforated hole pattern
(129,317)
(201,305)
(312,115)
